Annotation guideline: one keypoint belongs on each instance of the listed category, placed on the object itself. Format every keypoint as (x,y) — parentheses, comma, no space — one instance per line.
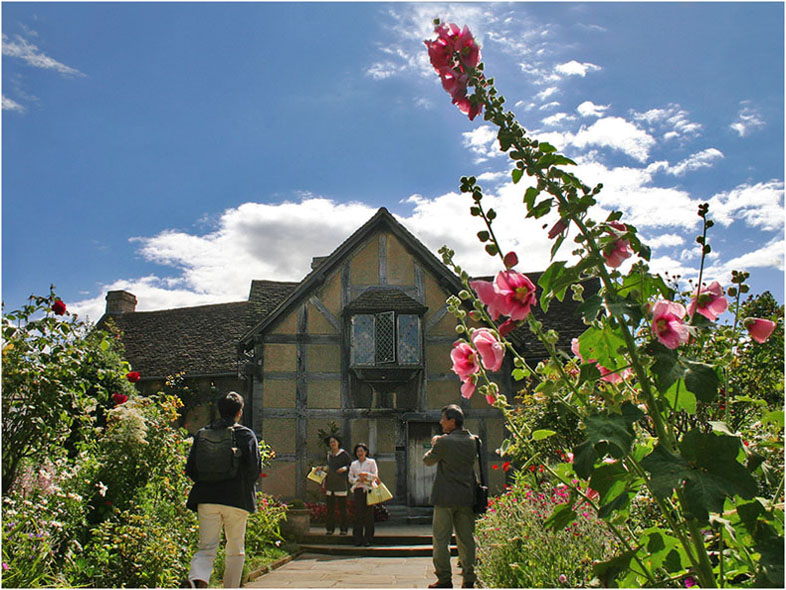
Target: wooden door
(419,475)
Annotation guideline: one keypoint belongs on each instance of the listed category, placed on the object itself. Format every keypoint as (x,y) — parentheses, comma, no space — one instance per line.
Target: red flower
(506,466)
(133,376)
(59,307)
(511,294)
(495,466)
(507,327)
(263,475)
(558,228)
(119,398)
(616,252)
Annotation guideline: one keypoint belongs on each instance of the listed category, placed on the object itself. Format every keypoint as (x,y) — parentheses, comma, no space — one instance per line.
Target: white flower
(102,489)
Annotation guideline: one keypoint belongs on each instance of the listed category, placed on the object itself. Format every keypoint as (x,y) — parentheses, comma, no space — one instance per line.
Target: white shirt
(356,468)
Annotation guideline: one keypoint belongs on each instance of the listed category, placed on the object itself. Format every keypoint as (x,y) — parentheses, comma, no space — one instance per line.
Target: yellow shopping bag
(316,474)
(378,493)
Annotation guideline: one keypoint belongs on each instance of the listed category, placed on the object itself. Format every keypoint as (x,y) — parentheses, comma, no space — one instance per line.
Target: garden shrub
(515,550)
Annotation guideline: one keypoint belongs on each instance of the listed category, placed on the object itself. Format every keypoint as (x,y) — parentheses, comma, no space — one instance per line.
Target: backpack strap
(480,460)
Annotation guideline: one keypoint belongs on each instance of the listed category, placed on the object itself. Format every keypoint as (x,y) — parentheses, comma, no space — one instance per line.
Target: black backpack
(216,455)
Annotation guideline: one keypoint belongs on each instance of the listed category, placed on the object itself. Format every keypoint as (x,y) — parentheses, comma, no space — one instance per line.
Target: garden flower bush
(516,550)
(94,484)
(644,382)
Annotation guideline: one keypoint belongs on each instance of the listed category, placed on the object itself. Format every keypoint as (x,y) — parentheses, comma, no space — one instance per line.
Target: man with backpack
(224,463)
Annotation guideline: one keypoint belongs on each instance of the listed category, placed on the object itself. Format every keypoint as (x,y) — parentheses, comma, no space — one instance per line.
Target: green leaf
(516,174)
(607,571)
(519,374)
(661,548)
(529,197)
(541,208)
(680,399)
(588,372)
(483,236)
(492,249)
(542,434)
(603,346)
(666,369)
(546,148)
(609,481)
(774,417)
(561,517)
(590,307)
(701,379)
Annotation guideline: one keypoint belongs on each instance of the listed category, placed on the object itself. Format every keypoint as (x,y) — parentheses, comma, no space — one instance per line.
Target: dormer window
(387,338)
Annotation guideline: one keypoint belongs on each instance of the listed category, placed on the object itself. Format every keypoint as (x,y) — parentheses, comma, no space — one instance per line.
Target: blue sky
(181,150)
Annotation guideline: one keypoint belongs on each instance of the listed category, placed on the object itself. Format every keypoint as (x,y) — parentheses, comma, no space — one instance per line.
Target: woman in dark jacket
(336,484)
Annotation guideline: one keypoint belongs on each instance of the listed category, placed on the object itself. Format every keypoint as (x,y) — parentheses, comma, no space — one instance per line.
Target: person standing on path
(224,503)
(363,473)
(452,495)
(336,485)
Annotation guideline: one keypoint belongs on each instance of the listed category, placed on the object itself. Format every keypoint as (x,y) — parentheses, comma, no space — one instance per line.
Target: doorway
(420,477)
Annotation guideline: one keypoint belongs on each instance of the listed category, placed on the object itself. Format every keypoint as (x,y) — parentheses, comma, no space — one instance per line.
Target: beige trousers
(212,517)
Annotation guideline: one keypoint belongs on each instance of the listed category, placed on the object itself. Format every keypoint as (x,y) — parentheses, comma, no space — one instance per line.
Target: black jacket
(239,491)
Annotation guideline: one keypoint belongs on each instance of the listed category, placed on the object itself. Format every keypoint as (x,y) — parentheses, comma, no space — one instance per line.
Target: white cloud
(482,141)
(703,159)
(544,94)
(548,105)
(557,118)
(30,54)
(759,205)
(382,70)
(672,121)
(590,109)
(748,119)
(575,68)
(664,241)
(12,105)
(618,134)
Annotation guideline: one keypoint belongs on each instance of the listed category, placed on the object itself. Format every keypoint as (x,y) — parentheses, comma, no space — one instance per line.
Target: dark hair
(360,446)
(329,436)
(453,412)
(230,405)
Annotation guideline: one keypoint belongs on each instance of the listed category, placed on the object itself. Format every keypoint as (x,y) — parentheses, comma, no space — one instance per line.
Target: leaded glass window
(385,338)
(362,340)
(408,339)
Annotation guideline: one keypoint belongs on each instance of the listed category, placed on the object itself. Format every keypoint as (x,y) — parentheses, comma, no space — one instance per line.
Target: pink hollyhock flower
(133,376)
(490,399)
(492,353)
(563,579)
(119,398)
(667,324)
(510,259)
(619,250)
(690,582)
(516,292)
(466,107)
(760,330)
(465,361)
(468,50)
(59,307)
(454,83)
(468,388)
(709,302)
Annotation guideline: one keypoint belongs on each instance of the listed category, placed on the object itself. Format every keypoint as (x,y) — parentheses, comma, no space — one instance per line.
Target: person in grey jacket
(452,495)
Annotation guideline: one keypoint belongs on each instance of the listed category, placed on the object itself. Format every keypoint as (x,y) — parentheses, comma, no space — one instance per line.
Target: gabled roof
(382,220)
(200,340)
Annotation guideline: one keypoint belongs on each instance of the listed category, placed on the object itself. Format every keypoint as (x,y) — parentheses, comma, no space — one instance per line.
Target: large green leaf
(607,571)
(662,550)
(666,369)
(707,469)
(701,379)
(607,433)
(680,399)
(603,346)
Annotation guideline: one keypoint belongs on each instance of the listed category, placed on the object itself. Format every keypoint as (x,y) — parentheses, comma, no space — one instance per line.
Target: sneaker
(439,584)
(197,583)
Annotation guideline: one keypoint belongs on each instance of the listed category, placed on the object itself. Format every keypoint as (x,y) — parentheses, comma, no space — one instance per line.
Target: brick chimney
(118,302)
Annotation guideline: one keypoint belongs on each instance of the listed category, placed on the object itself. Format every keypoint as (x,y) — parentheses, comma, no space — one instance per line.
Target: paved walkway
(310,570)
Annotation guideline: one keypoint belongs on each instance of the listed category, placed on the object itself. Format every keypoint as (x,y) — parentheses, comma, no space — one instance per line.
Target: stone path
(311,570)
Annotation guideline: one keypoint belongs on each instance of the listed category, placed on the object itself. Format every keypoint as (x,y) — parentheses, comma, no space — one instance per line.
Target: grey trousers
(446,520)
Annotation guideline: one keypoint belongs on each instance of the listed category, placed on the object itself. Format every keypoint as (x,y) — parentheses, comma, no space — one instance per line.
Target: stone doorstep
(375,550)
